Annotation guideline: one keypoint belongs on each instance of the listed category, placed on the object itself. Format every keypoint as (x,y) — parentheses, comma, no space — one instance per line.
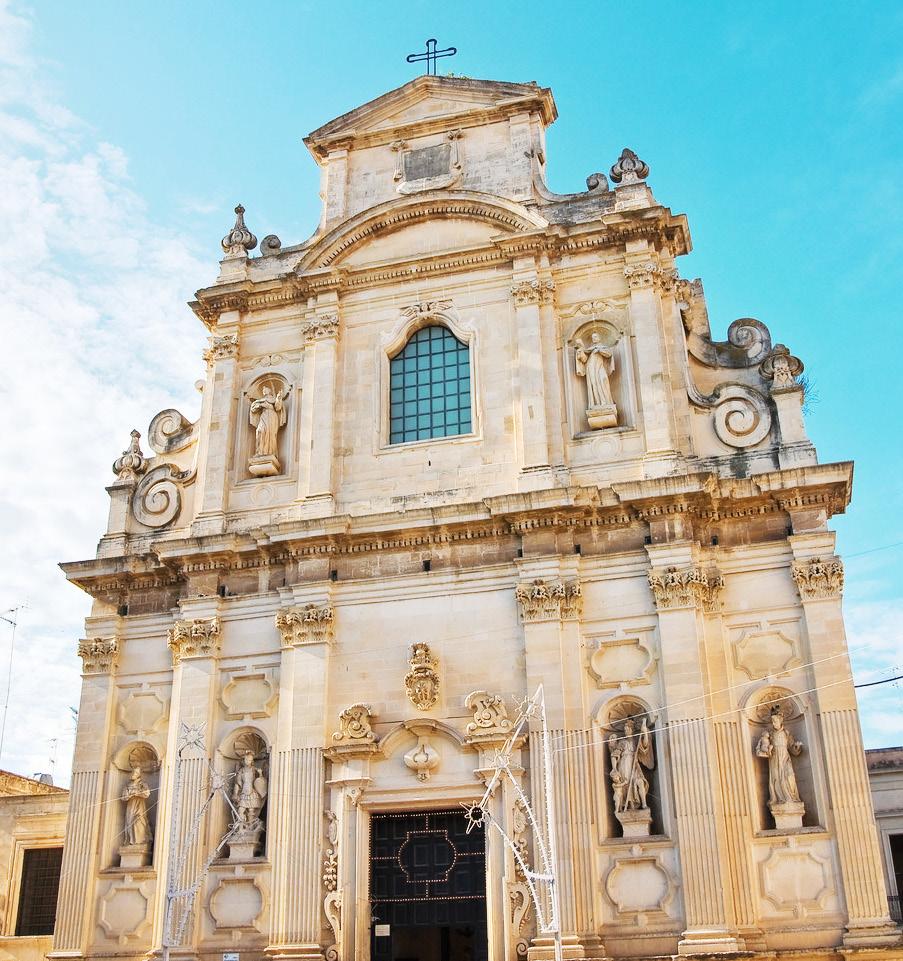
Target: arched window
(430,387)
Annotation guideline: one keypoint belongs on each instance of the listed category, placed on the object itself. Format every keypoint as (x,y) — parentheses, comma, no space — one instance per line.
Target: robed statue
(630,752)
(137,826)
(596,363)
(267,416)
(780,747)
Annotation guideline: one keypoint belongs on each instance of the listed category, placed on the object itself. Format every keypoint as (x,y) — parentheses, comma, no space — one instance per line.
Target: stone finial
(629,169)
(781,368)
(270,244)
(239,240)
(597,183)
(132,461)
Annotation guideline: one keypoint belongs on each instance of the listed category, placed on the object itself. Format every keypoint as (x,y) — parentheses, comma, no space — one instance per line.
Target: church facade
(471,441)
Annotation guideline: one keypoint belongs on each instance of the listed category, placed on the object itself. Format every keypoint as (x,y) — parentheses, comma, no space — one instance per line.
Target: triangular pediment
(430,102)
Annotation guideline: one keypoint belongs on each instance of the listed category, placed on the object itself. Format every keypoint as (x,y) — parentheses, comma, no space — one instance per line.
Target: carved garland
(542,600)
(817,579)
(332,903)
(689,587)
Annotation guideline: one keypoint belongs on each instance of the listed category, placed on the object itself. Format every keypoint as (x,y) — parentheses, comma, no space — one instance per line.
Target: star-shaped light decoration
(476,816)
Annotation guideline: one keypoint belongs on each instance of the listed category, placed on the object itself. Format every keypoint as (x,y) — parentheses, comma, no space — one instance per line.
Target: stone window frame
(395,341)
(23,844)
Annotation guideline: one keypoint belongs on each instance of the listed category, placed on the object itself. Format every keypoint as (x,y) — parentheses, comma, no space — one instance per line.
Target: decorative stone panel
(236,904)
(639,884)
(142,712)
(122,911)
(248,695)
(624,661)
(795,879)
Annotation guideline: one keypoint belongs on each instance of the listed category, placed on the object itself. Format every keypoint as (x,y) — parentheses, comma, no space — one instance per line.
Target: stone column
(550,601)
(528,293)
(819,579)
(219,414)
(682,590)
(654,378)
(298,776)
(321,334)
(194,641)
(75,915)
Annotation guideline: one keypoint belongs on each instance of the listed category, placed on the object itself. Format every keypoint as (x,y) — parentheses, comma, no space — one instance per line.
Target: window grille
(38,891)
(430,387)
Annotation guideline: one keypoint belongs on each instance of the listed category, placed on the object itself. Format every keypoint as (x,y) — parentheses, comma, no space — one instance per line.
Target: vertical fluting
(80,829)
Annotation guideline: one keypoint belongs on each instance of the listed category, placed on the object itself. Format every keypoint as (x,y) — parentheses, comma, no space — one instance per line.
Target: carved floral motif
(305,625)
(132,462)
(490,716)
(817,579)
(355,725)
(222,347)
(688,587)
(422,681)
(549,600)
(426,308)
(320,327)
(99,654)
(194,638)
(533,292)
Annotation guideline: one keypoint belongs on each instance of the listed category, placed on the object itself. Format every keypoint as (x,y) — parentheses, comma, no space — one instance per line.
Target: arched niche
(131,756)
(601,324)
(631,765)
(759,707)
(231,751)
(268,398)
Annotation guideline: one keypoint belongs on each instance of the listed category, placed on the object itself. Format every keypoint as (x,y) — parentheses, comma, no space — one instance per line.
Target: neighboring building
(32,825)
(885,765)
(469,438)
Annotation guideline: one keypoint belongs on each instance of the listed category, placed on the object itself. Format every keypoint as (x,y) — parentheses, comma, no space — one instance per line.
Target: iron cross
(431,56)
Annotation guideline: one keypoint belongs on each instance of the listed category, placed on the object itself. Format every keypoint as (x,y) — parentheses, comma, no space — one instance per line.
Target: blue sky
(128,131)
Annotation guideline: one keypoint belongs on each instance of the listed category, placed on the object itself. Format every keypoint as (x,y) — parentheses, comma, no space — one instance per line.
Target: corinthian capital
(816,578)
(541,600)
(305,625)
(326,325)
(533,292)
(639,276)
(195,638)
(99,654)
(221,348)
(673,588)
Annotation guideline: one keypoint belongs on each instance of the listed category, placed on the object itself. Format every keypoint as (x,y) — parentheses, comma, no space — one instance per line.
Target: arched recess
(144,756)
(508,216)
(231,752)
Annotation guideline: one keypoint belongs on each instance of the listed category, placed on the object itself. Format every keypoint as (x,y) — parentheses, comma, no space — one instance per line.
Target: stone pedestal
(264,466)
(135,855)
(635,824)
(599,417)
(244,845)
(787,815)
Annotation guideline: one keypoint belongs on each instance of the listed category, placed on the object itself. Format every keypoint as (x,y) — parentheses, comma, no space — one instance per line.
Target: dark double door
(427,888)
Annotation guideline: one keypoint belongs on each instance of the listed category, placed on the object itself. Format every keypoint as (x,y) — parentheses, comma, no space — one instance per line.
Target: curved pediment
(502,216)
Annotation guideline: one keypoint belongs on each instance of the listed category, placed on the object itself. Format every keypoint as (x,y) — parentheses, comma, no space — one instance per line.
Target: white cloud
(95,340)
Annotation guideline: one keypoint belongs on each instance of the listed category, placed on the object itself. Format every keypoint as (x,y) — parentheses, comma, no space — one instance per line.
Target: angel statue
(596,364)
(137,826)
(248,794)
(267,416)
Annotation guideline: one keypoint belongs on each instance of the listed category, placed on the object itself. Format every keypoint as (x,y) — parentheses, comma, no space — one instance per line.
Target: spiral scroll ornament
(170,431)
(741,416)
(157,500)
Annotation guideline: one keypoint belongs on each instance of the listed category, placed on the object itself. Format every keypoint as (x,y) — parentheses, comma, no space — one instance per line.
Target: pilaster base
(311,951)
(574,947)
(880,933)
(709,941)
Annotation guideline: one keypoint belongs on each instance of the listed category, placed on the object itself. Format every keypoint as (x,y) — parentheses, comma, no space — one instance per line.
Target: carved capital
(422,681)
(321,328)
(99,655)
(132,462)
(541,600)
(688,587)
(195,638)
(641,276)
(533,292)
(816,578)
(305,625)
(222,347)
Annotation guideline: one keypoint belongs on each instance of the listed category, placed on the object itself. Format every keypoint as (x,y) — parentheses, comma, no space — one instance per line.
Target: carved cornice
(195,638)
(674,588)
(213,302)
(99,655)
(305,625)
(541,600)
(320,328)
(222,347)
(533,292)
(817,579)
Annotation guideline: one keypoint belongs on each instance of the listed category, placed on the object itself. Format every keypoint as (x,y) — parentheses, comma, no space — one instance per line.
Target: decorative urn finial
(239,240)
(629,169)
(132,461)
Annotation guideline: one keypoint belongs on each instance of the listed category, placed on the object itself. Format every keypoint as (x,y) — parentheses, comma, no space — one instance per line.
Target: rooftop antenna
(11,617)
(431,55)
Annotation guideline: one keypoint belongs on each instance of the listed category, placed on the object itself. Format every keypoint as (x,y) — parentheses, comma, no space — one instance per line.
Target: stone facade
(633,517)
(885,767)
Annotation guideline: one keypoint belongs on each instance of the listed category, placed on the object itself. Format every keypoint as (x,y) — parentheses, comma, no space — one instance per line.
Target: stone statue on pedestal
(137,830)
(596,364)
(630,752)
(779,747)
(267,416)
(248,795)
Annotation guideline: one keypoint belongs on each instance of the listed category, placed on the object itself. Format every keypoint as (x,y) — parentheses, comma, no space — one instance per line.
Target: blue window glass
(433,369)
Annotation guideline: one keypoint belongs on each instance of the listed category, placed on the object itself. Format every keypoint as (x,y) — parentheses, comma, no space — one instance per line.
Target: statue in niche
(631,751)
(135,851)
(779,747)
(267,416)
(596,364)
(248,795)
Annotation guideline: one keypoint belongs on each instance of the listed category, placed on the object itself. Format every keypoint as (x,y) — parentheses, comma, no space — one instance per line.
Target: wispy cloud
(96,339)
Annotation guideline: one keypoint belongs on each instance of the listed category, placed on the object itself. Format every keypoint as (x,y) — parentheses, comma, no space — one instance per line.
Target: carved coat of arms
(422,681)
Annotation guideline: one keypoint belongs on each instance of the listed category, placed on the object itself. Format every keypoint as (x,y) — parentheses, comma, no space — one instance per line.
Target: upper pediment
(431,103)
